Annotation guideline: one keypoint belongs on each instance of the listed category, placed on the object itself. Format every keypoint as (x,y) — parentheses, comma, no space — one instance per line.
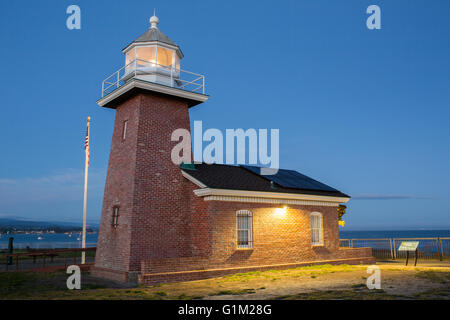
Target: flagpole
(86,166)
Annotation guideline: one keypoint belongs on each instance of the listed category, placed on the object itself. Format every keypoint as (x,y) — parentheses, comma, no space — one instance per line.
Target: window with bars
(115,217)
(244,229)
(316,229)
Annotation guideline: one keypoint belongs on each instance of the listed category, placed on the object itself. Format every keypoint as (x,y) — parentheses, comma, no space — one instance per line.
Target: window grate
(316,229)
(244,229)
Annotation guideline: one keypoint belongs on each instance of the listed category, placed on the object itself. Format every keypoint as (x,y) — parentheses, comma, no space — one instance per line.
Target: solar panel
(293,179)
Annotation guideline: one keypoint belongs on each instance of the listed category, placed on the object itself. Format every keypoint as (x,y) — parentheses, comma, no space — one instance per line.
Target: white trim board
(271,201)
(268,195)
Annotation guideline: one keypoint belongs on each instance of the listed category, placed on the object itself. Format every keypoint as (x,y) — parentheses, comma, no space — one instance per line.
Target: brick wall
(278,242)
(164,229)
(146,186)
(113,246)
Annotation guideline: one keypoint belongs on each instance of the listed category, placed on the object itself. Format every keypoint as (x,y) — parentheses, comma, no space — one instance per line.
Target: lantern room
(152,62)
(153,57)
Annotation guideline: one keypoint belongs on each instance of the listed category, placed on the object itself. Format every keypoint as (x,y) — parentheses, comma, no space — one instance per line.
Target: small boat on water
(40,238)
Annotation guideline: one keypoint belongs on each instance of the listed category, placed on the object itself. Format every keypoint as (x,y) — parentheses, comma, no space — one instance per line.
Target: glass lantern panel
(165,57)
(148,54)
(177,62)
(129,57)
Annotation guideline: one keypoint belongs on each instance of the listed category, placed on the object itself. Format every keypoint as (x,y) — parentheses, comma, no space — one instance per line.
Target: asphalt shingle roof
(245,178)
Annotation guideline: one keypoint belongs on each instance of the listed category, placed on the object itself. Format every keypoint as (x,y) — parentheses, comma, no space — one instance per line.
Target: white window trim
(249,214)
(317,214)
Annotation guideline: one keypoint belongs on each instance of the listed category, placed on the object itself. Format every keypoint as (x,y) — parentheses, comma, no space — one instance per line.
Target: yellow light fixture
(342,223)
(281,211)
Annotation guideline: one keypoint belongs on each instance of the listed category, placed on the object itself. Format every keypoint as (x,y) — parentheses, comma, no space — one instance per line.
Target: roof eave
(270,195)
(208,191)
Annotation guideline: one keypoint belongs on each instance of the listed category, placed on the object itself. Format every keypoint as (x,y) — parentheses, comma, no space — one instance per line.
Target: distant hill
(10,224)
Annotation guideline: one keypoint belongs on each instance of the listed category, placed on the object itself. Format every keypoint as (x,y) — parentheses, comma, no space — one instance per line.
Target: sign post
(409,246)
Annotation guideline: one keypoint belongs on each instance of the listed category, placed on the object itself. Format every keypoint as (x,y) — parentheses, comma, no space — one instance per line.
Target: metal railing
(176,78)
(428,248)
(445,247)
(39,259)
(48,245)
(381,248)
(387,248)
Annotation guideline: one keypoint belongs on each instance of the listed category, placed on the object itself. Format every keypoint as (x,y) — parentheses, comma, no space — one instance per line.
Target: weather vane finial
(154,20)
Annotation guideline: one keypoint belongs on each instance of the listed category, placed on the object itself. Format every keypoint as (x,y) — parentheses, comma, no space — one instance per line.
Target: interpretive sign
(408,246)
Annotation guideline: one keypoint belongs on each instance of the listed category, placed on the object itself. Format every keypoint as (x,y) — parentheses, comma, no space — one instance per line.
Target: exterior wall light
(281,211)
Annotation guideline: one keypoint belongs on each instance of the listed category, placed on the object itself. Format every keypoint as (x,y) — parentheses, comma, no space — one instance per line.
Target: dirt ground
(429,281)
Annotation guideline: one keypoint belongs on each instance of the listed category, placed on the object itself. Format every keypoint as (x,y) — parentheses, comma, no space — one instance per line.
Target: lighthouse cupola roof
(154,36)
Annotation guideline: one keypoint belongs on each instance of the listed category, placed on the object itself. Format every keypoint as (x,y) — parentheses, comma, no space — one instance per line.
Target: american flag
(86,142)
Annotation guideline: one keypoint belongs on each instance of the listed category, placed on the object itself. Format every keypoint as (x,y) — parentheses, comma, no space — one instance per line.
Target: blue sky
(365,111)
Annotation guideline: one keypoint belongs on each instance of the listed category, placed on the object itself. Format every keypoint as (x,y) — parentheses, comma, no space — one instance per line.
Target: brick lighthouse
(145,208)
(165,222)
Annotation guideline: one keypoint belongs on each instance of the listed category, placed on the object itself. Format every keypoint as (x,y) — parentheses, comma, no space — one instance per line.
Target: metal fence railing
(387,248)
(173,77)
(381,248)
(428,248)
(33,259)
(47,245)
(444,244)
(345,243)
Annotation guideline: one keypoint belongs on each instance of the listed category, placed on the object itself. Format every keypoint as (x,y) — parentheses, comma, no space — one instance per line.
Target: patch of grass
(433,294)
(242,277)
(434,276)
(222,293)
(24,284)
(340,295)
(10,282)
(234,292)
(294,272)
(186,297)
(53,285)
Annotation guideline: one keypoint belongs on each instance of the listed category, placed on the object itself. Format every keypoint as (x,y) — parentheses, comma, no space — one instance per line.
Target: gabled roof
(249,179)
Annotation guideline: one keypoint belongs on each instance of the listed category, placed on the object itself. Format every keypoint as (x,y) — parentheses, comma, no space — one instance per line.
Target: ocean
(47,240)
(59,240)
(394,234)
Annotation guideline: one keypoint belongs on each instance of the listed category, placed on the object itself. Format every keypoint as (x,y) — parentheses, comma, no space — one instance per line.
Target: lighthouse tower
(146,199)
